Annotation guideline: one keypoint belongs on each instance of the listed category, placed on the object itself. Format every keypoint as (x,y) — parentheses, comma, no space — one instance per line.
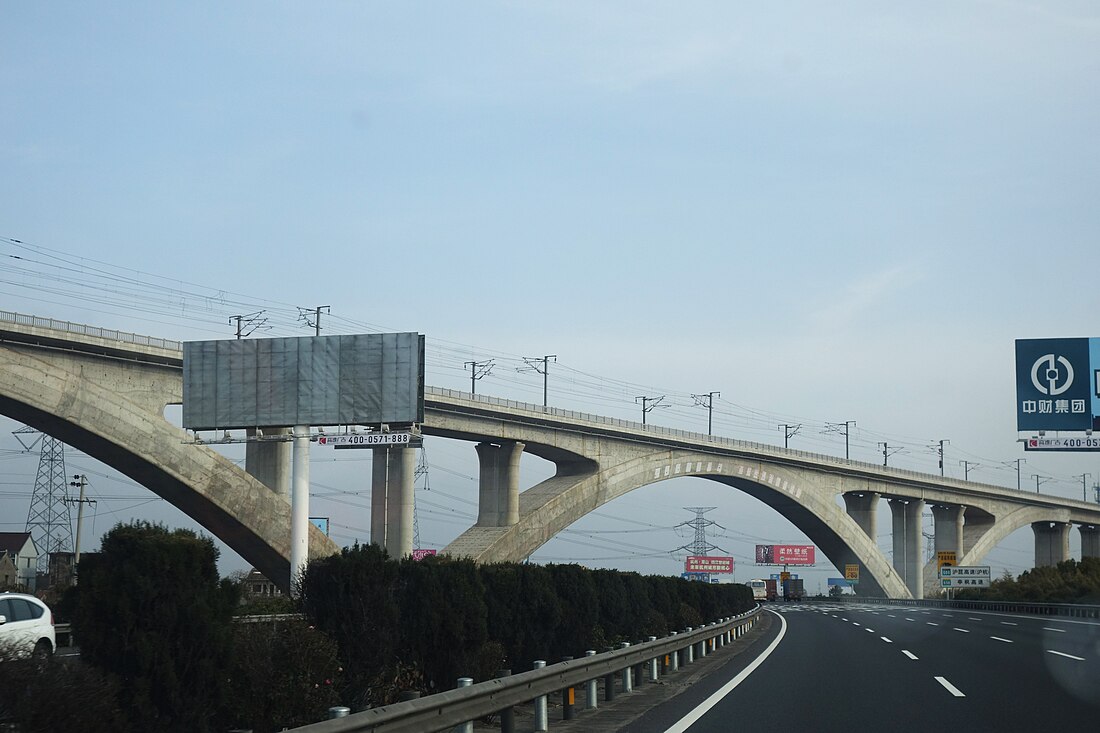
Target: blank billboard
(361,379)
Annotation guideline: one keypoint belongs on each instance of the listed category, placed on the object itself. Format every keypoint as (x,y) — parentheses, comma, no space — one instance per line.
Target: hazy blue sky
(826,211)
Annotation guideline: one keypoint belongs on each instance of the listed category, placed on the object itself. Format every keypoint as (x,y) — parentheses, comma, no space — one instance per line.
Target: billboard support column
(908,541)
(1051,543)
(399,501)
(862,506)
(299,508)
(380,479)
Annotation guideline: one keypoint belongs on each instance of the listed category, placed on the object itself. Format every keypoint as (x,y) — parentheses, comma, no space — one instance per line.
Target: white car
(26,626)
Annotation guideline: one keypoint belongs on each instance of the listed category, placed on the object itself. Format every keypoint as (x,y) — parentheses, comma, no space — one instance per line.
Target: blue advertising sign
(1057,384)
(840,581)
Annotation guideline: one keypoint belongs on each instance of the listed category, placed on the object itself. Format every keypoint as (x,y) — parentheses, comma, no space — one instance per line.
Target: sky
(826,212)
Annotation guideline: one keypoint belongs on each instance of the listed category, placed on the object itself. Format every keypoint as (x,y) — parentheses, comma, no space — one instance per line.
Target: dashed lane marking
(1060,631)
(965,631)
(997,638)
(950,687)
(886,640)
(908,653)
(1063,654)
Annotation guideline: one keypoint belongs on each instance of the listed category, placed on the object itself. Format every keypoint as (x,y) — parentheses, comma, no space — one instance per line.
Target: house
(24,555)
(8,574)
(256,586)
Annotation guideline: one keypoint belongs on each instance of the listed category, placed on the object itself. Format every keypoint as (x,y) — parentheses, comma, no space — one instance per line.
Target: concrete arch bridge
(105,392)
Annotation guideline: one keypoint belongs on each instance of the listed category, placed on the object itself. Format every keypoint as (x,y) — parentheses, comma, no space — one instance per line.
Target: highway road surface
(867,667)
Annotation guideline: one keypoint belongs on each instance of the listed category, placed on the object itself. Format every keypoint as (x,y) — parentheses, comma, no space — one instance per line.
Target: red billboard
(708,564)
(421,554)
(784,554)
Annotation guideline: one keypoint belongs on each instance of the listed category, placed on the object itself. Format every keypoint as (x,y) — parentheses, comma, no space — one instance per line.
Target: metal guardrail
(1070,610)
(65,630)
(79,328)
(445,710)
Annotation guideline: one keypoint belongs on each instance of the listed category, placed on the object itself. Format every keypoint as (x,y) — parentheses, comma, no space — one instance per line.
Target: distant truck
(762,590)
(793,589)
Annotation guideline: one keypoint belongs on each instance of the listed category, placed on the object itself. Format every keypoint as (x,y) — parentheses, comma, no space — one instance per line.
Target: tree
(151,610)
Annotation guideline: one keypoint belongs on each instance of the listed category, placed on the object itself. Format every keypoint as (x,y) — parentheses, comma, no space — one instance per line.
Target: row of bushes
(487,617)
(159,650)
(1071,581)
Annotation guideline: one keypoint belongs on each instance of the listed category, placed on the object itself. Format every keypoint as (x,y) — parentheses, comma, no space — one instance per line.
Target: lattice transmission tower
(700,546)
(421,472)
(48,520)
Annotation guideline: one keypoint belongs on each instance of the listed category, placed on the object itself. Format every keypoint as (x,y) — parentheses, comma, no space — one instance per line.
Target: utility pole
(247,324)
(707,400)
(79,481)
(886,452)
(1018,461)
(789,431)
(478,369)
(966,468)
(1084,486)
(940,452)
(648,403)
(1038,482)
(315,323)
(533,363)
(843,429)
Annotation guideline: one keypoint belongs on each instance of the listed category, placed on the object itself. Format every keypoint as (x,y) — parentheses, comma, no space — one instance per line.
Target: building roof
(14,542)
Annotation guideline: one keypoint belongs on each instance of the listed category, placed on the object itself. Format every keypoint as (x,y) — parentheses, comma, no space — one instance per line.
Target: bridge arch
(553,505)
(95,406)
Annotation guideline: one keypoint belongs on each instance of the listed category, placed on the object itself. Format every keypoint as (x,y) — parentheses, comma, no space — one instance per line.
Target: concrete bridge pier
(498,484)
(391,503)
(269,462)
(906,517)
(862,506)
(1051,543)
(948,519)
(1090,540)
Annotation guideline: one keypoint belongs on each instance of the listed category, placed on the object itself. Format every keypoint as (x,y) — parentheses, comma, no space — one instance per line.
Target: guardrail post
(590,693)
(568,699)
(628,673)
(338,712)
(542,718)
(467,727)
(690,649)
(674,657)
(653,664)
(507,715)
(609,686)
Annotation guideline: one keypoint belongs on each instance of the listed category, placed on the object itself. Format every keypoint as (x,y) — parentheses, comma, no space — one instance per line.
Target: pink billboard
(708,564)
(794,554)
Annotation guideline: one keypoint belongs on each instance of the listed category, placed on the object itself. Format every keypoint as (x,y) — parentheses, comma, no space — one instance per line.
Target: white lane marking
(910,619)
(931,623)
(891,615)
(947,615)
(1060,631)
(843,619)
(1009,623)
(950,687)
(871,630)
(855,623)
(997,638)
(700,710)
(1063,654)
(908,653)
(965,631)
(886,640)
(973,619)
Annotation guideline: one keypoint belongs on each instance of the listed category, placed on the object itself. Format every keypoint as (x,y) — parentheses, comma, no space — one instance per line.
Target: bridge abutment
(269,462)
(498,483)
(1090,540)
(391,504)
(907,539)
(1051,543)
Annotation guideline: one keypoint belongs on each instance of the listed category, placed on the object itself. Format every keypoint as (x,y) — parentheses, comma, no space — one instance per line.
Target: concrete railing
(458,707)
(79,328)
(1074,610)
